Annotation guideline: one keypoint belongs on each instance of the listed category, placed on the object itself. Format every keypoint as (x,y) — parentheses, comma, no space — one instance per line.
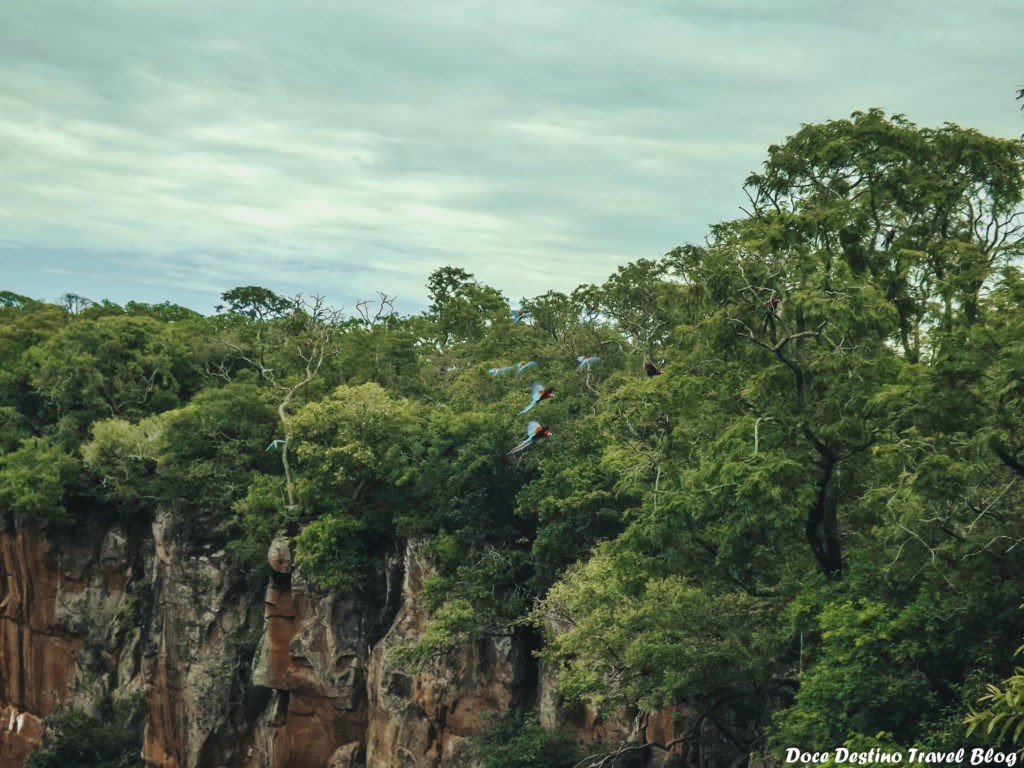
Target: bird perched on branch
(651,370)
(772,310)
(534,431)
(538,393)
(499,371)
(890,235)
(586,362)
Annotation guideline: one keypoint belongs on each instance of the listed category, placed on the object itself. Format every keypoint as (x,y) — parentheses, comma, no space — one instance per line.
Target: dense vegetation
(807,528)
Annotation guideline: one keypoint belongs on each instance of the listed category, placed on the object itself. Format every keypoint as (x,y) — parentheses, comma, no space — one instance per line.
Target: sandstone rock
(347,756)
(279,555)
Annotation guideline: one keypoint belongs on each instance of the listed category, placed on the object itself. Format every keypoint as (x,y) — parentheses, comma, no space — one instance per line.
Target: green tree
(112,738)
(819,452)
(255,303)
(37,482)
(355,452)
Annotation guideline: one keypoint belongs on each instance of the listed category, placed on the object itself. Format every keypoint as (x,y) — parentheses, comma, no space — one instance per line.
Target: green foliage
(464,310)
(1001,720)
(37,481)
(259,515)
(211,450)
(256,303)
(165,311)
(112,738)
(651,641)
(126,455)
(122,366)
(454,624)
(354,452)
(518,742)
(331,552)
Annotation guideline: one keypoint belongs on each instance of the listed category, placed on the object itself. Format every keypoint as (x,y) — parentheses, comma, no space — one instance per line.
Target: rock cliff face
(64,637)
(297,680)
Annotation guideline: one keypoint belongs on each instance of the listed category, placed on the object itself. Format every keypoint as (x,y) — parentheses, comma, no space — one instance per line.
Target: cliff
(297,680)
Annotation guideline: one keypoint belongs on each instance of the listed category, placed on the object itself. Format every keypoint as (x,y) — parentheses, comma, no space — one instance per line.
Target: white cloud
(364,144)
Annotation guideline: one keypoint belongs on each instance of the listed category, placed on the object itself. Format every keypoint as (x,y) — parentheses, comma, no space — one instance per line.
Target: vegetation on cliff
(807,528)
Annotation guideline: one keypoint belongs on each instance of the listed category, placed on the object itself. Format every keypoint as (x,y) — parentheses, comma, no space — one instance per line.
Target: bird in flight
(534,431)
(586,362)
(523,366)
(275,444)
(651,370)
(501,370)
(538,393)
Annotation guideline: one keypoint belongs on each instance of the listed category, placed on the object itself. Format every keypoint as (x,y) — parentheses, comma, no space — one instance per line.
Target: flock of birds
(538,392)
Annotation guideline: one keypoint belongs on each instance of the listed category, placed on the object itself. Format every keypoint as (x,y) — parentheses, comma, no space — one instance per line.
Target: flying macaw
(523,366)
(586,362)
(534,431)
(537,394)
(890,235)
(274,445)
(520,314)
(651,370)
(499,371)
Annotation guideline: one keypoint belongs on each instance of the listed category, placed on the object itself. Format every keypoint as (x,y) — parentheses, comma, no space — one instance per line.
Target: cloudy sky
(157,150)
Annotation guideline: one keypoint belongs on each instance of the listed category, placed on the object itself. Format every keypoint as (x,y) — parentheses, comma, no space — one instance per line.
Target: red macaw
(537,394)
(520,314)
(771,311)
(534,431)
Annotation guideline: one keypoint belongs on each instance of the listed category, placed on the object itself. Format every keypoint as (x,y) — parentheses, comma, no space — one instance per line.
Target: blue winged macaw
(585,362)
(538,393)
(275,444)
(534,431)
(520,314)
(501,370)
(523,366)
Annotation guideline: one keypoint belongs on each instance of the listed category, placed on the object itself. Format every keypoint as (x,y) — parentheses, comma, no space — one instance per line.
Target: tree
(355,449)
(463,309)
(124,366)
(74,303)
(255,303)
(829,460)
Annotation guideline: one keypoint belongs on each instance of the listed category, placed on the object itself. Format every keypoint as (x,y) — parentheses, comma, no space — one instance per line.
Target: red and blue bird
(534,431)
(537,393)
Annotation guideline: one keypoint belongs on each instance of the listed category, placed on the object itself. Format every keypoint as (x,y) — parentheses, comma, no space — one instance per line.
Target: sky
(169,151)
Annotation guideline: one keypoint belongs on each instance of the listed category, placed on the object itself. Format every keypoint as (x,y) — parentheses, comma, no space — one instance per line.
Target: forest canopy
(787,495)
